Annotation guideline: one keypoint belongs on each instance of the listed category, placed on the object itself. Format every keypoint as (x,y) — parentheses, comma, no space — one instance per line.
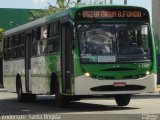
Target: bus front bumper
(89,86)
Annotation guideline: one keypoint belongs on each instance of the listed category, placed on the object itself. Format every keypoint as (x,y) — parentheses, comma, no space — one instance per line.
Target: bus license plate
(119,84)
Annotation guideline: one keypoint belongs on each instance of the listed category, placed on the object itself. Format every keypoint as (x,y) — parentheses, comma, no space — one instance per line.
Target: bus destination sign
(111,14)
(87,14)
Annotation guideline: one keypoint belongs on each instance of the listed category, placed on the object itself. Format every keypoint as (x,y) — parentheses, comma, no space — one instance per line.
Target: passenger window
(10,41)
(16,40)
(6,43)
(44,32)
(53,45)
(54,29)
(54,37)
(42,47)
(22,38)
(36,34)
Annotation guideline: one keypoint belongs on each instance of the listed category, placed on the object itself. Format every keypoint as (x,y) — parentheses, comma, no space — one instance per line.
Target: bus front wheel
(61,100)
(122,100)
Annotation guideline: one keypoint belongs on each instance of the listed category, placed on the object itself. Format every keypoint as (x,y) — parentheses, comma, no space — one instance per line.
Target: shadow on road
(46,105)
(150,96)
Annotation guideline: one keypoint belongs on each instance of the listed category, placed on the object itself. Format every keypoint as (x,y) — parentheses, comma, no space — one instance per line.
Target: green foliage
(60,5)
(1,34)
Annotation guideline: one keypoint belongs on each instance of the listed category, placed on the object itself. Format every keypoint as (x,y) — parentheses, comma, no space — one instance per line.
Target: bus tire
(60,100)
(23,97)
(20,95)
(122,100)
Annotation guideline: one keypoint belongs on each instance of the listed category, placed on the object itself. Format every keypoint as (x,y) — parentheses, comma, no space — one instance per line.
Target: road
(141,106)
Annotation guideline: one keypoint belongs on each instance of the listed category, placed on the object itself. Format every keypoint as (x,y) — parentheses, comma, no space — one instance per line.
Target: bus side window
(42,44)
(35,39)
(9,48)
(8,54)
(10,42)
(54,37)
(6,42)
(22,38)
(53,45)
(16,40)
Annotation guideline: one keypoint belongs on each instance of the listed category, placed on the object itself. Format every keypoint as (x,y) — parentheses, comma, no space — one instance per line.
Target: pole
(125,2)
(111,1)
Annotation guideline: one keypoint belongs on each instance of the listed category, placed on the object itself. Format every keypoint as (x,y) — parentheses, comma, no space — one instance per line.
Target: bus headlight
(87,74)
(148,73)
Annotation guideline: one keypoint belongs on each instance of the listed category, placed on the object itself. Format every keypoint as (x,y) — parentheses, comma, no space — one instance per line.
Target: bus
(82,52)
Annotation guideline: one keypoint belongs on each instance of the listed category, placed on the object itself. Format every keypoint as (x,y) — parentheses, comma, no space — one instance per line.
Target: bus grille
(122,88)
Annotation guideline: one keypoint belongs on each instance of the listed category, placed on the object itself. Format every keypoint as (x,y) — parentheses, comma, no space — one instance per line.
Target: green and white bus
(84,51)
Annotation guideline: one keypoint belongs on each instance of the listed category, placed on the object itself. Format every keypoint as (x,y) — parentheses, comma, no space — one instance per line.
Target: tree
(1,34)
(60,5)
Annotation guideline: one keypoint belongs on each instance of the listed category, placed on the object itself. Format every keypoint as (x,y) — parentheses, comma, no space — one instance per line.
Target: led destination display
(111,14)
(135,14)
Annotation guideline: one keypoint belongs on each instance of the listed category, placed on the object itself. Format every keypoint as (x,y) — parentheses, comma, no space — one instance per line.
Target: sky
(39,4)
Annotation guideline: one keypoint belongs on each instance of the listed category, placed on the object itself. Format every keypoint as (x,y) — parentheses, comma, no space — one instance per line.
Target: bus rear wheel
(23,97)
(122,100)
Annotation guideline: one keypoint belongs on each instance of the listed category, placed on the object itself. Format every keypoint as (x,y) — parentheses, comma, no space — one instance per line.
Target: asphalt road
(142,107)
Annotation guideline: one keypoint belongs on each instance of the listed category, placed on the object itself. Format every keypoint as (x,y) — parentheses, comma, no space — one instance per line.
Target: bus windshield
(112,43)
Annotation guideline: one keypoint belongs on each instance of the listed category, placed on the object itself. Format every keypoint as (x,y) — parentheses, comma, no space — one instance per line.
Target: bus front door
(28,82)
(66,57)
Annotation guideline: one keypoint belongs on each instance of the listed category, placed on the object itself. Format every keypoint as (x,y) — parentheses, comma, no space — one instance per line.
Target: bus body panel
(10,71)
(39,75)
(41,69)
(149,82)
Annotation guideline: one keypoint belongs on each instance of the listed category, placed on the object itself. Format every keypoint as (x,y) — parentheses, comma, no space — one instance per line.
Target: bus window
(36,34)
(54,29)
(42,47)
(134,41)
(44,32)
(7,54)
(53,45)
(15,52)
(6,43)
(10,41)
(16,40)
(22,38)
(34,49)
(21,51)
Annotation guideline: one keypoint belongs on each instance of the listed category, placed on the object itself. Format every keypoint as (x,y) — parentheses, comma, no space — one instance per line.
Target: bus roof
(71,12)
